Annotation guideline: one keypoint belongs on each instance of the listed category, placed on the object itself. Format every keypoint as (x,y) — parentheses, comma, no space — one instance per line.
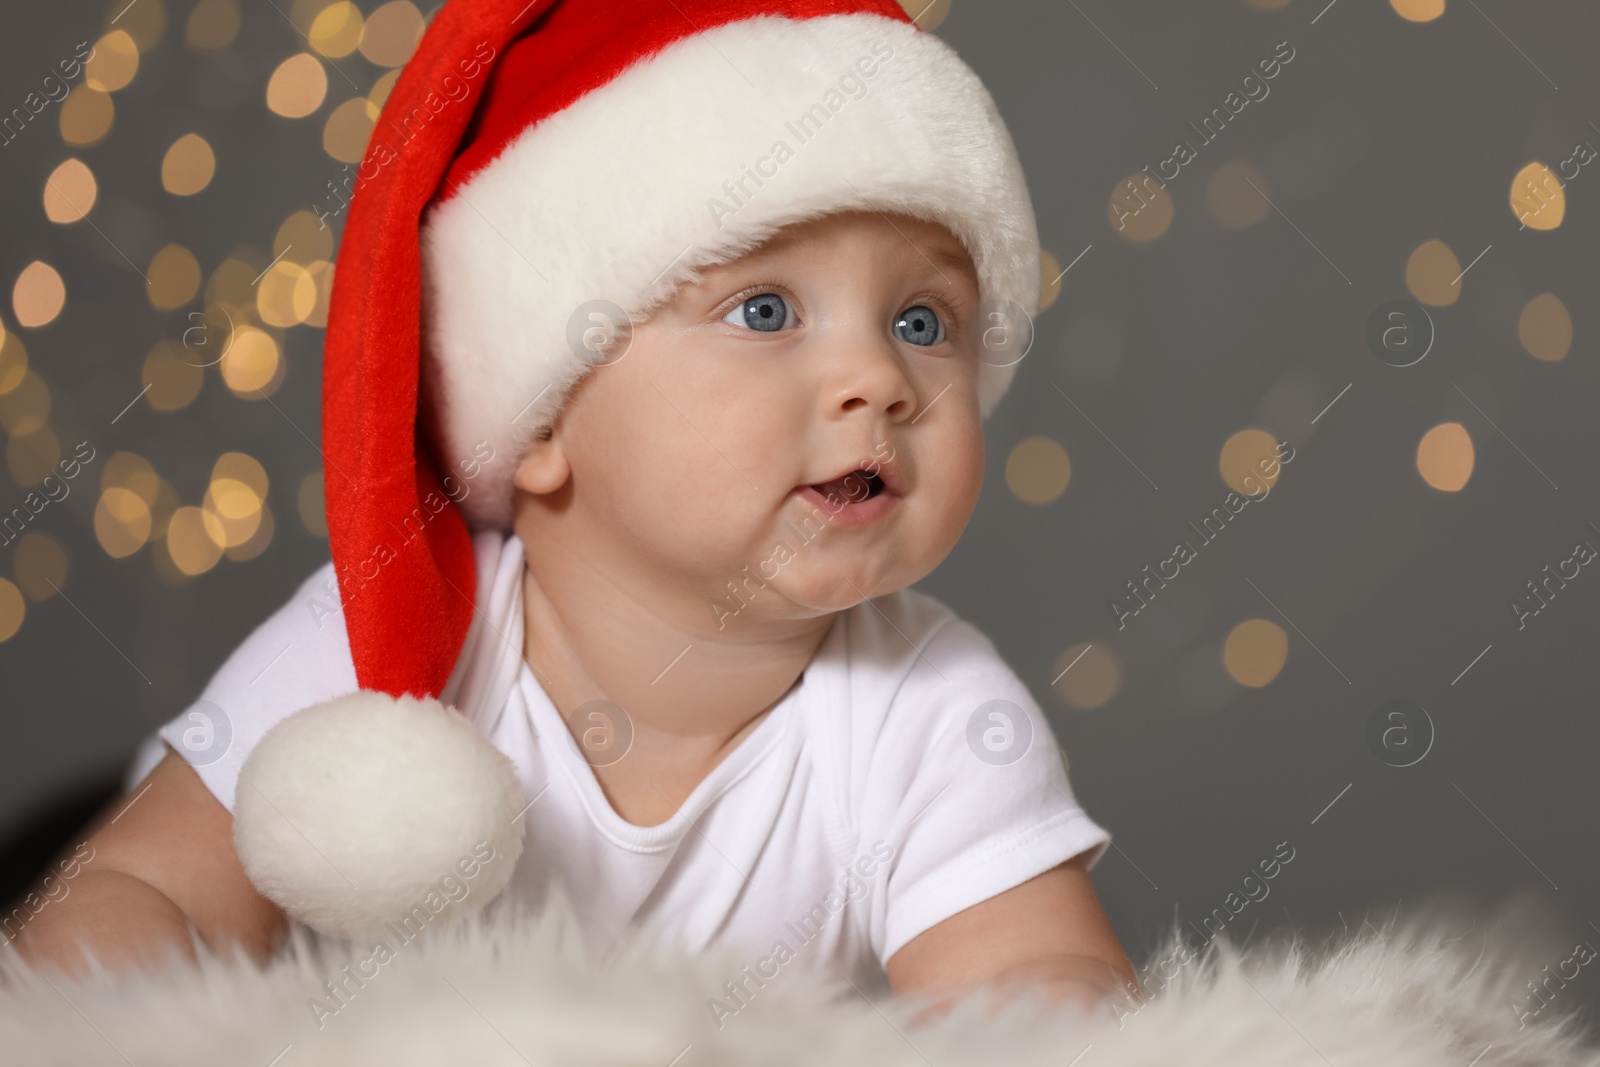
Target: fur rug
(517,991)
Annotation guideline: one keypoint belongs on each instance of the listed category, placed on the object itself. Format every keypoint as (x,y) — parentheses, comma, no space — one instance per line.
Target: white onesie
(906,776)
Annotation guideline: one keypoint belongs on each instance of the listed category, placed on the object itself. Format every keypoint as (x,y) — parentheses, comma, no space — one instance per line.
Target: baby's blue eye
(766,312)
(919,326)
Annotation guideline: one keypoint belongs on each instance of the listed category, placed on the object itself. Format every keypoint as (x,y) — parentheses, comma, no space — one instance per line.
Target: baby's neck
(690,694)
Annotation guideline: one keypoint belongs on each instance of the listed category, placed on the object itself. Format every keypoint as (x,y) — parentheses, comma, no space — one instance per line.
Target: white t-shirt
(907,775)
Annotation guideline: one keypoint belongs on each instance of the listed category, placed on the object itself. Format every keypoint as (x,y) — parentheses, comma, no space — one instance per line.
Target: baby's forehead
(919,239)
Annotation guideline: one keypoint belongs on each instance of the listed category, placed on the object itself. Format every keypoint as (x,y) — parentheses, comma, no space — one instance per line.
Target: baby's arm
(1050,934)
(163,862)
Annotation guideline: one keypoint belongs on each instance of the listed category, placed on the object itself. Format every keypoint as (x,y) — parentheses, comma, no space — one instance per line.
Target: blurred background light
(1433,274)
(144,21)
(12,609)
(69,192)
(41,565)
(24,407)
(1087,675)
(171,376)
(1445,457)
(1545,328)
(113,63)
(194,540)
(38,295)
(1255,652)
(348,129)
(174,277)
(1538,198)
(1038,470)
(1236,195)
(188,166)
(86,117)
(297,87)
(336,31)
(252,364)
(1140,210)
(212,24)
(391,33)
(1246,457)
(121,522)
(1418,10)
(310,505)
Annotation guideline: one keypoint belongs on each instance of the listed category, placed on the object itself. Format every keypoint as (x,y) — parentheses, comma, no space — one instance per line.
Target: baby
(731,720)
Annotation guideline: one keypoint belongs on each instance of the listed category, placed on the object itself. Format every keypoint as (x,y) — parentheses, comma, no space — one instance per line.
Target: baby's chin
(833,585)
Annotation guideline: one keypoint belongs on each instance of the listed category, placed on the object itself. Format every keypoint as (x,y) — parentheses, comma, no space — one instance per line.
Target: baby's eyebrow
(944,256)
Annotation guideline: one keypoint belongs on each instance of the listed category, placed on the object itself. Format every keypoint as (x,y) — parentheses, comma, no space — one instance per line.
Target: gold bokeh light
(174,276)
(1545,328)
(69,192)
(297,87)
(1139,209)
(121,522)
(12,610)
(1418,10)
(213,24)
(188,166)
(1538,199)
(391,33)
(194,540)
(1255,652)
(1433,274)
(286,294)
(1445,457)
(38,295)
(1038,470)
(144,21)
(348,129)
(1087,675)
(251,366)
(113,62)
(1236,195)
(171,376)
(86,117)
(336,31)
(1249,461)
(41,565)
(309,503)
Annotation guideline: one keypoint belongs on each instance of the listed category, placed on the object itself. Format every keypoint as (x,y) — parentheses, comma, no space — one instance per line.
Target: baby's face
(703,455)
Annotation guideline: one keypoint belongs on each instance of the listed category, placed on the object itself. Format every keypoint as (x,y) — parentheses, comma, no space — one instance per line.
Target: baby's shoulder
(910,638)
(915,666)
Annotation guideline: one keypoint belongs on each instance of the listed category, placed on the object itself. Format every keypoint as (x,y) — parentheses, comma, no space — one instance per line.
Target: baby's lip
(887,472)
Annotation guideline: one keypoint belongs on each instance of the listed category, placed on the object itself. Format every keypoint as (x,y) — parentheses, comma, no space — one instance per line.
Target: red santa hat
(532,161)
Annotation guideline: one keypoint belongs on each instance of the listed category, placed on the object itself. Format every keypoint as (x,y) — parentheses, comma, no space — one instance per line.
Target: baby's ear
(543,467)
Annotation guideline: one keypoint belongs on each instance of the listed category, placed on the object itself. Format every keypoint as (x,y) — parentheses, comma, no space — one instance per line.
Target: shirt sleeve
(299,657)
(968,786)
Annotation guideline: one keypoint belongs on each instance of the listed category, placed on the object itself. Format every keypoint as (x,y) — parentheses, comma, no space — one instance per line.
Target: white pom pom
(371,809)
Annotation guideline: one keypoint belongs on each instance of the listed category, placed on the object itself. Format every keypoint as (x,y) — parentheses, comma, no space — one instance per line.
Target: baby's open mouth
(850,486)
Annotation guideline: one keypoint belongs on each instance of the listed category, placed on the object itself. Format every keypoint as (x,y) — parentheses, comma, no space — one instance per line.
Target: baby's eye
(919,325)
(766,312)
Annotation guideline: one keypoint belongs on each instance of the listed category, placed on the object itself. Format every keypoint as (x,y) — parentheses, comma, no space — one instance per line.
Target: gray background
(1380,134)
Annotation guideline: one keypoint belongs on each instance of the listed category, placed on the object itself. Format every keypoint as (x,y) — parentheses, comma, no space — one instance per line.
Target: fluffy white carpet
(517,991)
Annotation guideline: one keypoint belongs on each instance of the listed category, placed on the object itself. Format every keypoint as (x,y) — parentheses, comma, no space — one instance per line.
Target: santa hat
(536,164)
